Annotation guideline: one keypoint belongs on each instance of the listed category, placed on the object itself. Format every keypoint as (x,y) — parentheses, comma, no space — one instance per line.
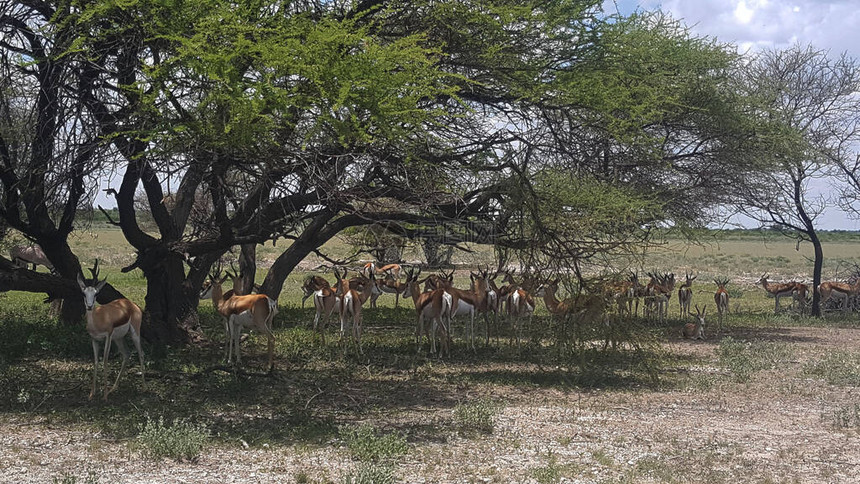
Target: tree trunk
(170,316)
(816,273)
(437,255)
(248,267)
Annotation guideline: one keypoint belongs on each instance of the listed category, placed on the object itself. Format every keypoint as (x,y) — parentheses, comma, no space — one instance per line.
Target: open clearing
(771,399)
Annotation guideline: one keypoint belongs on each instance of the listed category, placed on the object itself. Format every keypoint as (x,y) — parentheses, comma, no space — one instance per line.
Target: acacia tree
(809,101)
(298,121)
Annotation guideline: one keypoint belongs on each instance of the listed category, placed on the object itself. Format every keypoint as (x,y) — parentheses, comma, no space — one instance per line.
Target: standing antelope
(310,285)
(468,302)
(350,303)
(721,298)
(110,322)
(387,269)
(432,305)
(388,285)
(777,290)
(24,255)
(520,304)
(325,302)
(685,294)
(842,290)
(253,311)
(695,331)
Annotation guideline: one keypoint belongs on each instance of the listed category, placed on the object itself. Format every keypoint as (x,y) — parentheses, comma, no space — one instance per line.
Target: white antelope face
(90,292)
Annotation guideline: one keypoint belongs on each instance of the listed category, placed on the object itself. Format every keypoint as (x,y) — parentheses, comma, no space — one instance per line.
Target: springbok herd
(436,305)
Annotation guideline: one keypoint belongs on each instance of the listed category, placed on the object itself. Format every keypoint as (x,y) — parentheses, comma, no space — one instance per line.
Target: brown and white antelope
(841,290)
(778,291)
(24,255)
(350,304)
(582,307)
(685,294)
(658,292)
(387,269)
(110,323)
(388,285)
(697,330)
(433,306)
(253,311)
(325,302)
(467,302)
(721,298)
(520,305)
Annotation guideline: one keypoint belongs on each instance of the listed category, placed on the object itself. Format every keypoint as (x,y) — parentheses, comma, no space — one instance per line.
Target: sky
(752,25)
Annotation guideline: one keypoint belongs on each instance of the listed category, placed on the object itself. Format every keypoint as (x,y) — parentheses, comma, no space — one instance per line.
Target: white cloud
(742,13)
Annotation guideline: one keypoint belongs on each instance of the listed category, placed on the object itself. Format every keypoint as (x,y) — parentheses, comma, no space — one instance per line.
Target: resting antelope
(24,255)
(254,311)
(721,298)
(685,294)
(432,306)
(695,331)
(110,322)
(778,291)
(350,302)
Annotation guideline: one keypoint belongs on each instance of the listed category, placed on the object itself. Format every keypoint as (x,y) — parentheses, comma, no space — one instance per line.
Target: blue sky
(756,24)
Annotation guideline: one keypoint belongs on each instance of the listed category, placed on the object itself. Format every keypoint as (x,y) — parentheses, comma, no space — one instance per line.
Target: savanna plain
(770,398)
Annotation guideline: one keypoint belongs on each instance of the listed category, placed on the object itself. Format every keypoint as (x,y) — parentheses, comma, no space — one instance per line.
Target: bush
(479,415)
(839,368)
(182,440)
(844,417)
(371,473)
(365,444)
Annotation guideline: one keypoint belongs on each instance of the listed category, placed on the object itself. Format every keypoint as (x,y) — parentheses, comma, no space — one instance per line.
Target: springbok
(432,306)
(841,290)
(325,302)
(388,285)
(685,294)
(24,255)
(721,298)
(110,322)
(467,302)
(520,304)
(695,331)
(387,269)
(253,311)
(778,291)
(582,307)
(350,303)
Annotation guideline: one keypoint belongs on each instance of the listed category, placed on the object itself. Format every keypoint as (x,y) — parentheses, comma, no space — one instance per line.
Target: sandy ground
(707,428)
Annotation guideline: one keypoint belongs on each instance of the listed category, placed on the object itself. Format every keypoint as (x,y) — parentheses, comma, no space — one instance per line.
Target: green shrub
(479,415)
(746,358)
(371,473)
(67,478)
(838,368)
(844,417)
(366,444)
(181,440)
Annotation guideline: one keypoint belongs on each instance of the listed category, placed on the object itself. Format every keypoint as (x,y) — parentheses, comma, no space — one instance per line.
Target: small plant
(746,358)
(478,415)
(371,473)
(548,474)
(181,440)
(838,368)
(67,478)
(366,444)
(844,417)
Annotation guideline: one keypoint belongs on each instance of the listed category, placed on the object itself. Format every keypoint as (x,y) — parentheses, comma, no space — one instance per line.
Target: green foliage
(477,415)
(843,417)
(371,473)
(837,368)
(29,330)
(746,358)
(366,444)
(68,478)
(182,440)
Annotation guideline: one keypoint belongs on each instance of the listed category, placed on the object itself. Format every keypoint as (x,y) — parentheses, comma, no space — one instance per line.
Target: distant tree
(809,102)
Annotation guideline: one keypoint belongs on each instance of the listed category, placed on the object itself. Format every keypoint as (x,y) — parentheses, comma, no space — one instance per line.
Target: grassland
(773,398)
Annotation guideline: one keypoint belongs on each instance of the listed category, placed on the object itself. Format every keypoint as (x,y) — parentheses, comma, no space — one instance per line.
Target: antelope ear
(100,285)
(81,282)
